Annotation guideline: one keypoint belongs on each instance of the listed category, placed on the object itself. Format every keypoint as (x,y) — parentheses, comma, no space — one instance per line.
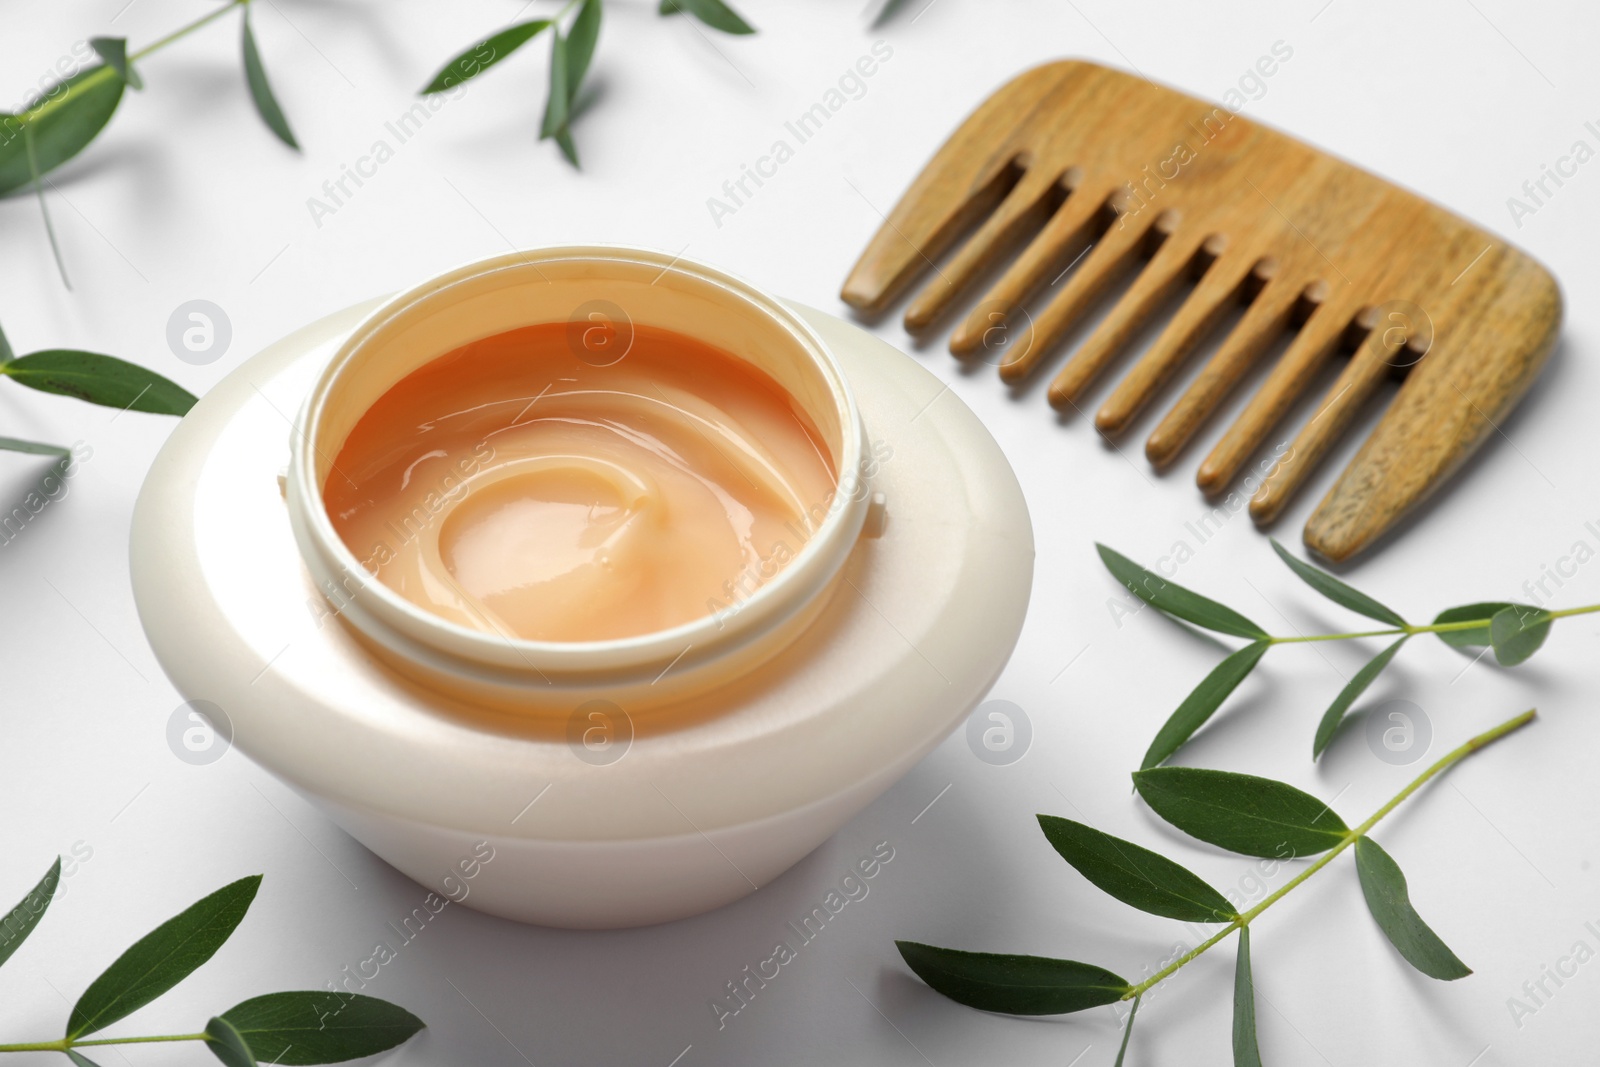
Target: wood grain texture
(1074,161)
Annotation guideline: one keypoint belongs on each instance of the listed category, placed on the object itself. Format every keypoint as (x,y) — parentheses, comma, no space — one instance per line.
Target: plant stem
(1303,638)
(1444,762)
(44,208)
(61,1044)
(1127,1031)
(182,32)
(1431,628)
(144,1040)
(105,70)
(1460,752)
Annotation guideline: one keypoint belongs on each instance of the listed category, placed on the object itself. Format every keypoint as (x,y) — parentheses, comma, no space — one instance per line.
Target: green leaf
(1337,591)
(1146,880)
(162,958)
(576,52)
(318,1026)
(114,50)
(261,91)
(714,13)
(556,106)
(227,1044)
(1127,1031)
(1474,636)
(1014,985)
(581,38)
(1246,1053)
(99,380)
(6,354)
(13,444)
(563,138)
(79,1059)
(1347,696)
(1200,704)
(1384,886)
(61,125)
(1174,599)
(485,54)
(1517,632)
(20,920)
(888,11)
(1240,812)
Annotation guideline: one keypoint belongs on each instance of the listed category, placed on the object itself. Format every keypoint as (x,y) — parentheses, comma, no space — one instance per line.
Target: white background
(187,196)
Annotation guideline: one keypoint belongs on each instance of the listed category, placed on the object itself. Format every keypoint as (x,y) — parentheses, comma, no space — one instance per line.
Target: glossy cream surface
(516,486)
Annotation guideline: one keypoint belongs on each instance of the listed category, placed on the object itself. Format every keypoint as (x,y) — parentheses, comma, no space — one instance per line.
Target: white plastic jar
(618,782)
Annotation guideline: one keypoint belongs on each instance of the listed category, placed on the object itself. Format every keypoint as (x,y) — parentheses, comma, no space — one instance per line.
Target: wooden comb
(1134,177)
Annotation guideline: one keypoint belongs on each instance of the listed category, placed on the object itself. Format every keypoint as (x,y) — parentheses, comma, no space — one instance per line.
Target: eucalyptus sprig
(1238,812)
(570,53)
(72,112)
(302,1027)
(1512,631)
(62,122)
(89,376)
(572,49)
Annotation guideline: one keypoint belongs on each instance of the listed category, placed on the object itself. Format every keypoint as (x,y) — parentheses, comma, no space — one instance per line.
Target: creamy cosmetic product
(692,454)
(516,487)
(597,560)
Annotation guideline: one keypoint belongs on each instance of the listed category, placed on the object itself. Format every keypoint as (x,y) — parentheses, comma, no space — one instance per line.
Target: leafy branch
(570,53)
(71,114)
(1238,812)
(572,49)
(304,1027)
(59,125)
(1512,631)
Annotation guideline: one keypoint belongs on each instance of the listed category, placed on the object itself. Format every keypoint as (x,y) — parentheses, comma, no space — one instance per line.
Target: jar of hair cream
(605,557)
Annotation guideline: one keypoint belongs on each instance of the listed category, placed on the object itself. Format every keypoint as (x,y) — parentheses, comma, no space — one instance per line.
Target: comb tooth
(1220,287)
(1154,286)
(1110,259)
(978,164)
(1023,207)
(1265,321)
(1316,343)
(1360,378)
(1449,404)
(1062,239)
(920,228)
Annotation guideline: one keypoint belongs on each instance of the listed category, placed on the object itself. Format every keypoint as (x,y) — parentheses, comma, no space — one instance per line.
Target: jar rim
(382,614)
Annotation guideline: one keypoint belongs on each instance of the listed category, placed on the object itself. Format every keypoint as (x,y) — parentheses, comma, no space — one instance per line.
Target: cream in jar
(515,488)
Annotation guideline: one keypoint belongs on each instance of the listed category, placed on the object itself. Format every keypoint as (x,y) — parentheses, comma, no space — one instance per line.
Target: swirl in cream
(514,488)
